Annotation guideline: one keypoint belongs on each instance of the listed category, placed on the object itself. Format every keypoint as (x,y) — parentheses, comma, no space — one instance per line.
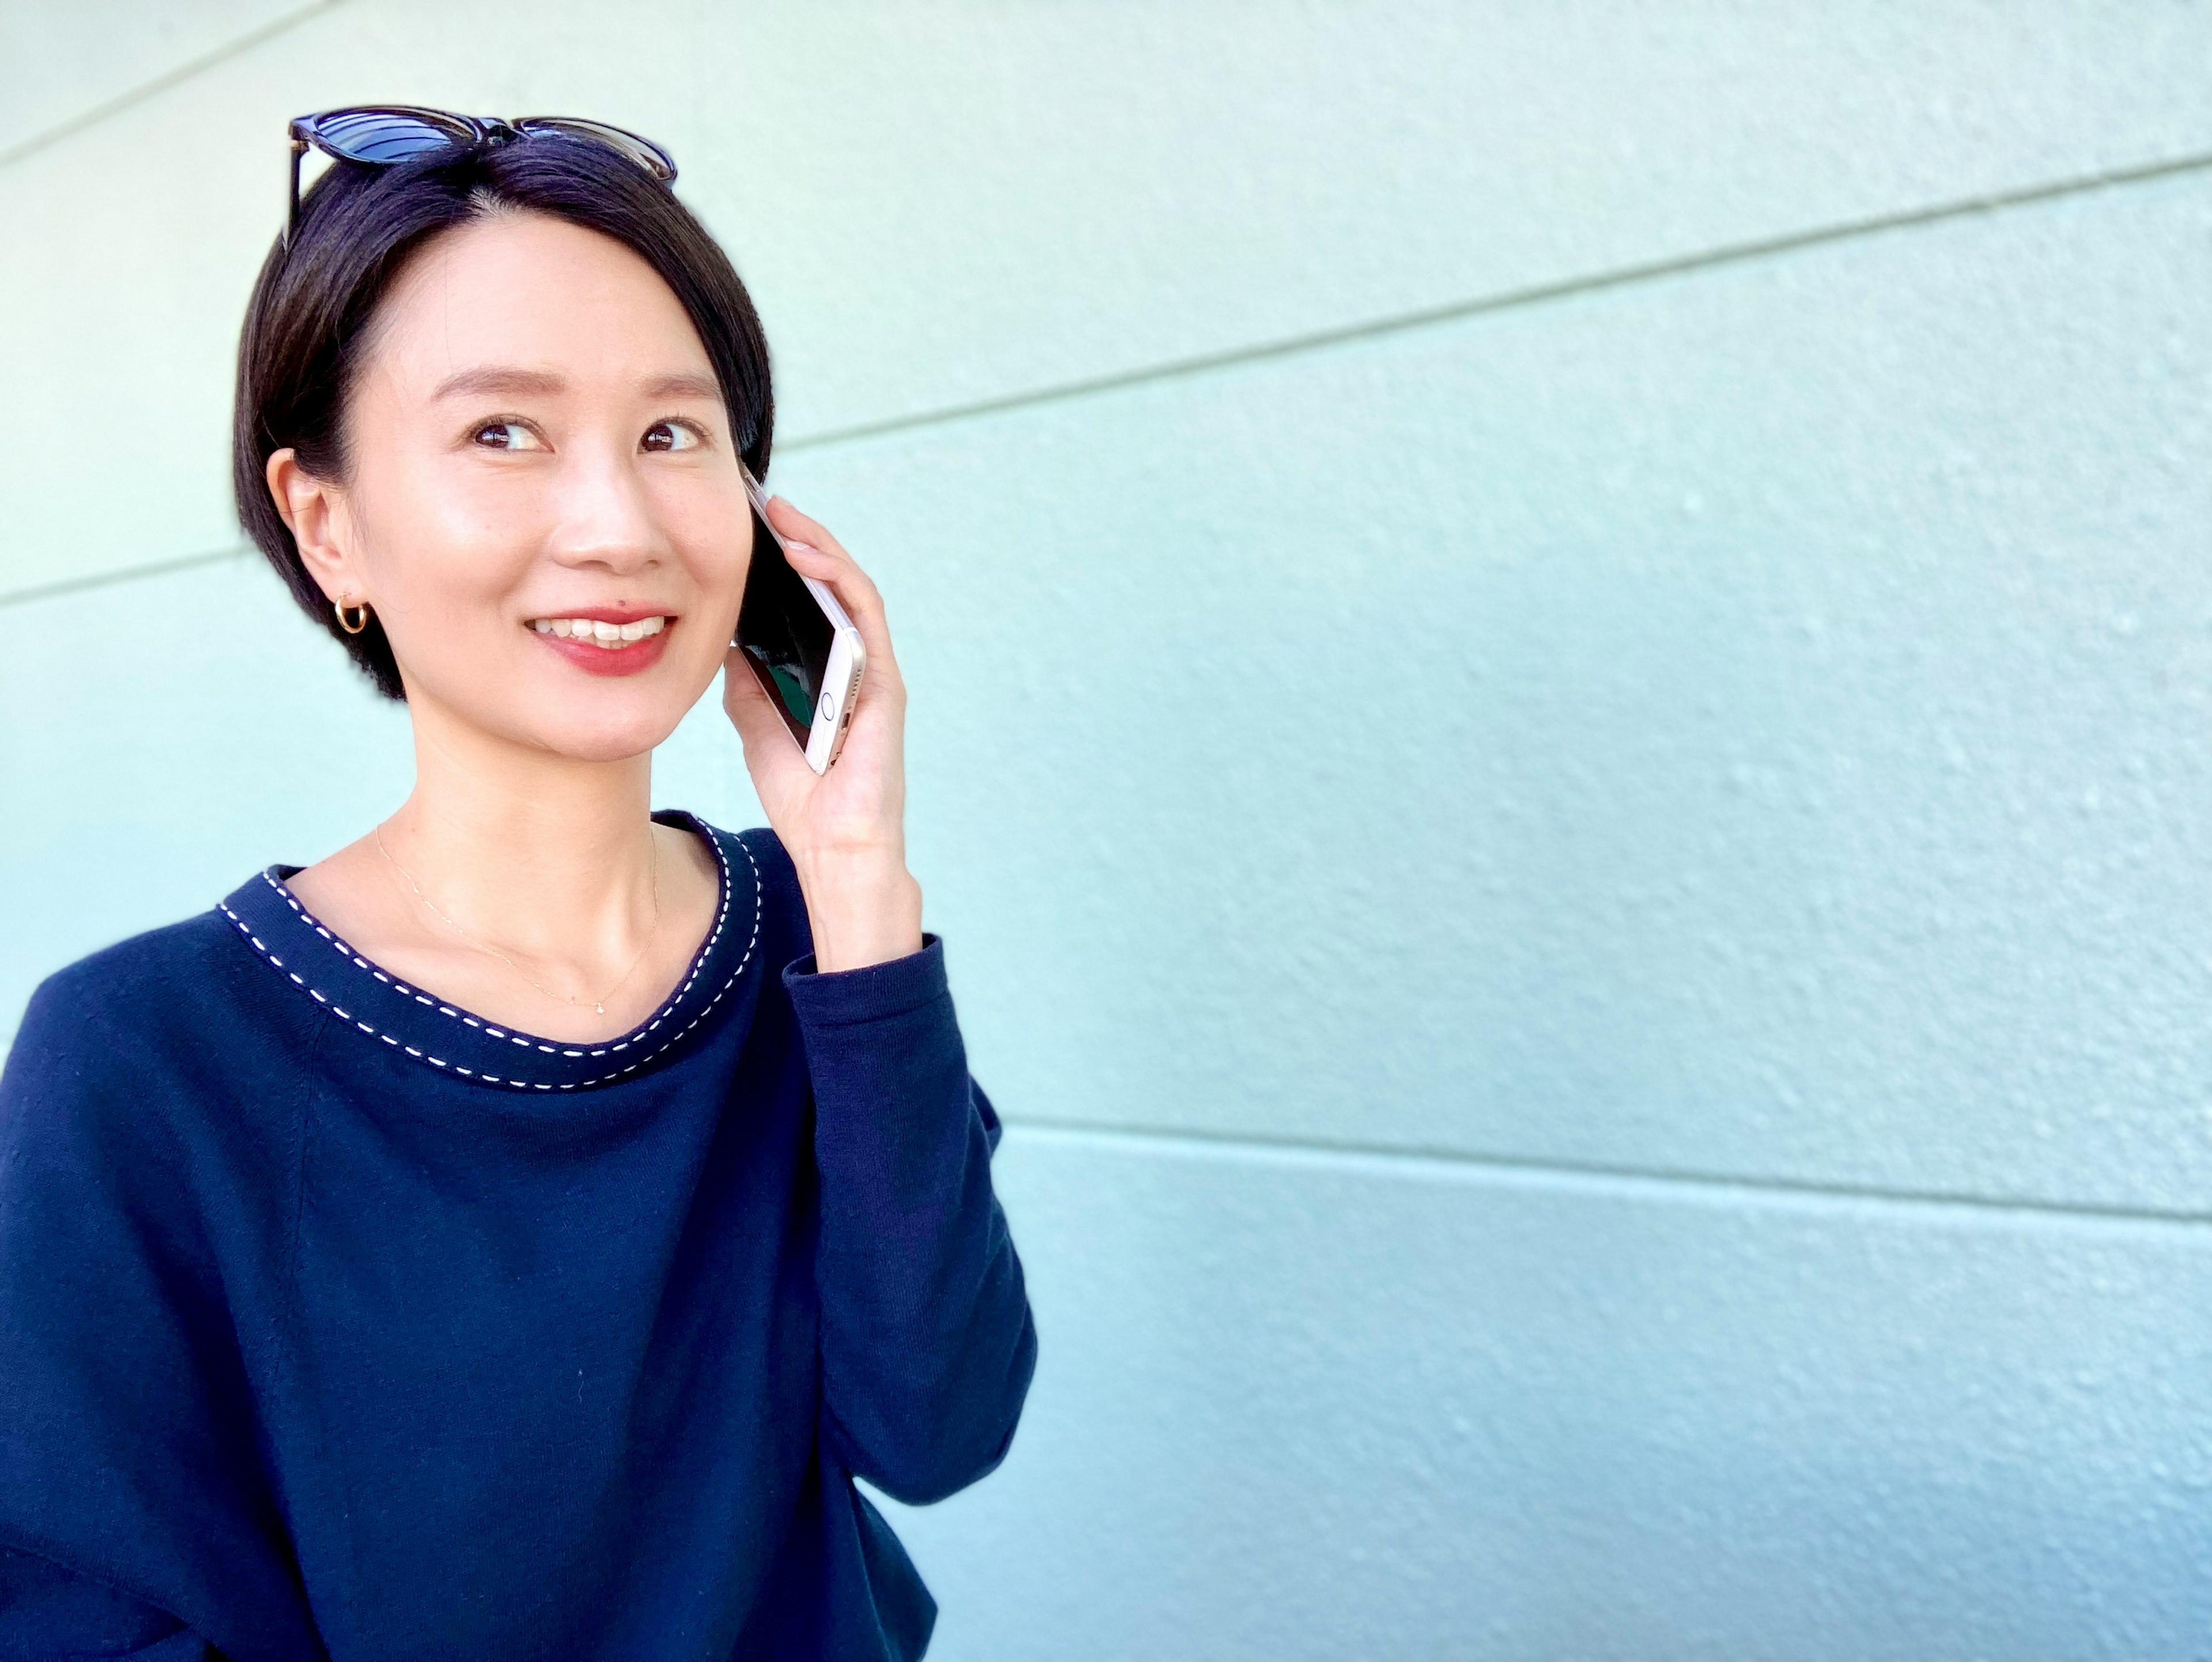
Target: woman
(511,1235)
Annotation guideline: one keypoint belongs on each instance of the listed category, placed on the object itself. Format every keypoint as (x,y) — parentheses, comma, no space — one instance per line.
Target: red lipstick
(628,658)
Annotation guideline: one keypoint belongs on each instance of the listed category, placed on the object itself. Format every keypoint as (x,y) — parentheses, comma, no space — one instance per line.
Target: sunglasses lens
(386,135)
(643,151)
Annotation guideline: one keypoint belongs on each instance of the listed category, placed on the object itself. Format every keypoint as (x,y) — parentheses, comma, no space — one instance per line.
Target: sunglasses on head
(378,135)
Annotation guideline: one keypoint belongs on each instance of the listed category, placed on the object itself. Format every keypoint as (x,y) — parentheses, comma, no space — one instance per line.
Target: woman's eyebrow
(503,378)
(685,387)
(497,378)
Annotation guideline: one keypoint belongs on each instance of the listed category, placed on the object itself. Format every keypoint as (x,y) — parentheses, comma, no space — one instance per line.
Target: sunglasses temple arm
(292,206)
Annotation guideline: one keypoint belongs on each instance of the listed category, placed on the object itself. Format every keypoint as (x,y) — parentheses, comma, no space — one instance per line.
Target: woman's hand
(845,830)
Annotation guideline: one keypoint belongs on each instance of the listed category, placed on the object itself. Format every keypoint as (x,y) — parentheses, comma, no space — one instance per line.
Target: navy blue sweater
(335,1321)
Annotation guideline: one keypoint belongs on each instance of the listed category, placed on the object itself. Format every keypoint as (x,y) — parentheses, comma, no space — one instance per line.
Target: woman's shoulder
(758,865)
(757,845)
(182,1005)
(159,976)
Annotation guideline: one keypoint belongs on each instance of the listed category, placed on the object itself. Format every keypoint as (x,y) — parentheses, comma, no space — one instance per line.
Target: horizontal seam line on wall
(160,83)
(1323,340)
(1507,300)
(124,574)
(1656,1177)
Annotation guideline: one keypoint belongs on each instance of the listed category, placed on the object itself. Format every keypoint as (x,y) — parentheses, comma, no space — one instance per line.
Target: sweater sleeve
(46,1611)
(928,1344)
(132,1499)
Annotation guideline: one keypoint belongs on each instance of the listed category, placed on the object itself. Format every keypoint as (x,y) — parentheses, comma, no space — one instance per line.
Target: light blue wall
(1704,1151)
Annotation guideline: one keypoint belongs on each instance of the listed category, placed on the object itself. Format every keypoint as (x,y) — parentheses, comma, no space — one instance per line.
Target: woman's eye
(673,436)
(506,436)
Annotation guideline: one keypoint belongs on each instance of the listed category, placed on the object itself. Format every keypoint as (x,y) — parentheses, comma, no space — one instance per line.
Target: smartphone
(803,648)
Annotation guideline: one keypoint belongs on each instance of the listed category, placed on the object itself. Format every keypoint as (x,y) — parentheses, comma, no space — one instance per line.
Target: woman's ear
(314,511)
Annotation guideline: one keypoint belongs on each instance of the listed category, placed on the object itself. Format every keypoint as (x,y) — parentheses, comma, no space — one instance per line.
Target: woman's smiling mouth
(600,631)
(616,641)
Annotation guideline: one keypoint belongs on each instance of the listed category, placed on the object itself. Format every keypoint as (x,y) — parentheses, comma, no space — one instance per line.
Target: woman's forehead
(526,295)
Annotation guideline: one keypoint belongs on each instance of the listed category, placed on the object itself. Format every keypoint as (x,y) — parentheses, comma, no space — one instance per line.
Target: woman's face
(539,457)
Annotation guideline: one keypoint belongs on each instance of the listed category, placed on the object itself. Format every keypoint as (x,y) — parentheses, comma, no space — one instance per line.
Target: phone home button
(829,710)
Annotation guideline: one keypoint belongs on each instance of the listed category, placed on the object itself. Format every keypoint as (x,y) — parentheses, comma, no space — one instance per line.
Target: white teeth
(599,633)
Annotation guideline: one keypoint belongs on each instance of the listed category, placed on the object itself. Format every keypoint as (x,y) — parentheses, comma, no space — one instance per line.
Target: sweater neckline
(319,964)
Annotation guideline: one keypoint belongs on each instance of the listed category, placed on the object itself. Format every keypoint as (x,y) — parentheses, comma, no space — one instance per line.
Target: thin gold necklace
(599,1004)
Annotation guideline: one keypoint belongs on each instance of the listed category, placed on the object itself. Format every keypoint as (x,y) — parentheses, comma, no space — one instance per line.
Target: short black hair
(313,306)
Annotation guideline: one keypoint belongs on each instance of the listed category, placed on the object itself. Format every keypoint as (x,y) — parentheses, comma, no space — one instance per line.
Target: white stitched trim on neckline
(664,1013)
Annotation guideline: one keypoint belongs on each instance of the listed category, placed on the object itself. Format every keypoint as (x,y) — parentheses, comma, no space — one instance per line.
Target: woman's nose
(606,516)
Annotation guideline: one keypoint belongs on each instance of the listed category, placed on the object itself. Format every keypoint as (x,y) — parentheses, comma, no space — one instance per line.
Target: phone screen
(784,635)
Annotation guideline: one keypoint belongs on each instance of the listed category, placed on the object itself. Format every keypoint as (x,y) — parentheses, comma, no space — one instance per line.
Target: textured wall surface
(1700,1144)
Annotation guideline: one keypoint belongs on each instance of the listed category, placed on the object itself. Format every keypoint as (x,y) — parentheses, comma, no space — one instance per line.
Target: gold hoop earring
(339,606)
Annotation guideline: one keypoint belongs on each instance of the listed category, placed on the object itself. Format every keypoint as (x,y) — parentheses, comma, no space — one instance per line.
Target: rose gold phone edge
(847,662)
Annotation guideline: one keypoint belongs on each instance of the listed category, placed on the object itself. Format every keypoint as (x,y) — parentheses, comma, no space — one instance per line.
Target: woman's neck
(531,852)
(528,887)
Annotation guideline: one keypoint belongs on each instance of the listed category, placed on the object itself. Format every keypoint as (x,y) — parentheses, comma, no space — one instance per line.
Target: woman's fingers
(794,526)
(815,553)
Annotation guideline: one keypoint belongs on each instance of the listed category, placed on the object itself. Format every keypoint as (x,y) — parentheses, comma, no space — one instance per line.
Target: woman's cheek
(713,538)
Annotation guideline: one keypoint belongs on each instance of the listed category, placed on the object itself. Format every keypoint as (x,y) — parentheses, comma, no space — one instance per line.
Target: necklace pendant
(601,1008)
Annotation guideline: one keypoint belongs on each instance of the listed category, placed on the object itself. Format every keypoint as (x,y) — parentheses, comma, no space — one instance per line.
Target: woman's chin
(609,735)
(603,723)
(546,704)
